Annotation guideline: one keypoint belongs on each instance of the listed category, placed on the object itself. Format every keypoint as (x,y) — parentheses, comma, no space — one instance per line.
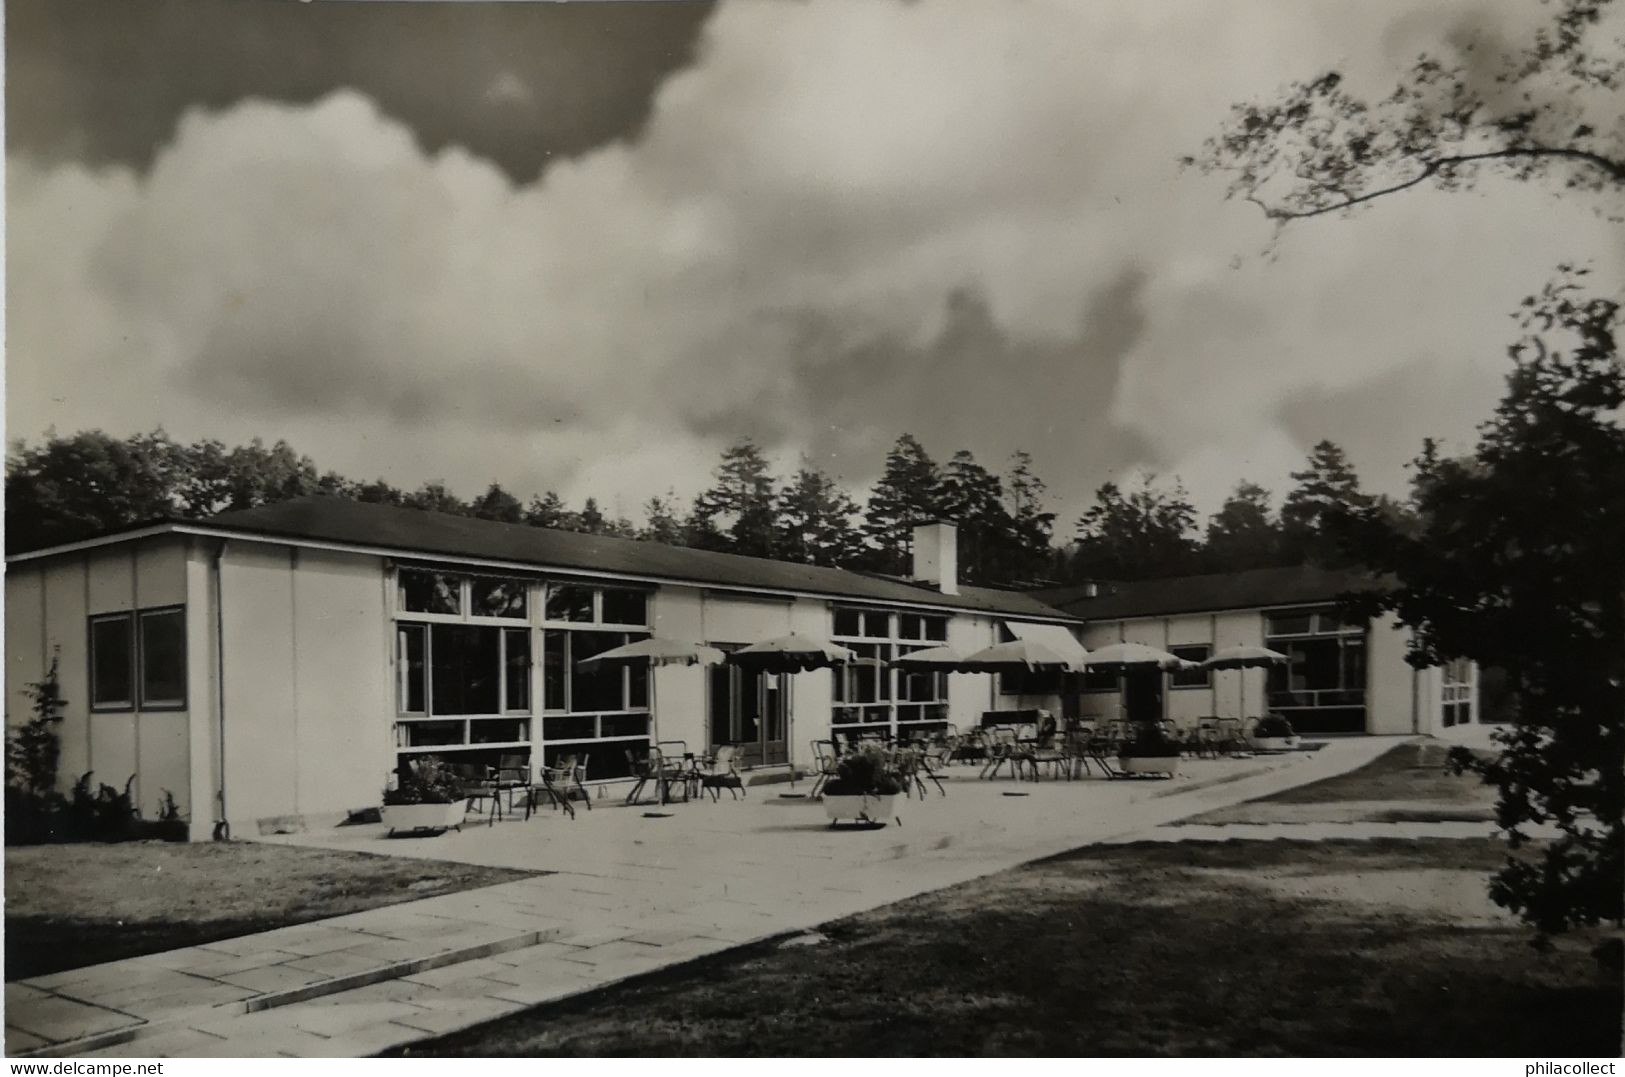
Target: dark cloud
(973,383)
(105,81)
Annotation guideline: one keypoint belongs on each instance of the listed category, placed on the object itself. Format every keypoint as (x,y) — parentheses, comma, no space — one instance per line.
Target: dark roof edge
(206,528)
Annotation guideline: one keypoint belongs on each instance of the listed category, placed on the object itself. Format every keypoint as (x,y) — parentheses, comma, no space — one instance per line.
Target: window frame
(124,706)
(1205,673)
(139,687)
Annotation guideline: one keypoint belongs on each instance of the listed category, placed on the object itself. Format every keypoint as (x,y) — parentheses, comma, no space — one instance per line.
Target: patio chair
(480,785)
(721,771)
(568,775)
(828,754)
(544,784)
(512,777)
(644,769)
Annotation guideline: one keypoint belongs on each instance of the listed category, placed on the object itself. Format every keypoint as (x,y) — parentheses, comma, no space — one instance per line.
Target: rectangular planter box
(406,817)
(874,809)
(1148,764)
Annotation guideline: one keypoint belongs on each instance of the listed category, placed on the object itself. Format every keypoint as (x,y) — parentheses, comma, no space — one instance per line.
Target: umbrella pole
(789,727)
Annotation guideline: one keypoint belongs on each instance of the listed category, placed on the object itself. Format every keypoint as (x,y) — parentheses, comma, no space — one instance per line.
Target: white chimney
(936,555)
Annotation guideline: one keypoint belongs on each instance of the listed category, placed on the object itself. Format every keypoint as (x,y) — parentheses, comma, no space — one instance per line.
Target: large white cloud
(846,220)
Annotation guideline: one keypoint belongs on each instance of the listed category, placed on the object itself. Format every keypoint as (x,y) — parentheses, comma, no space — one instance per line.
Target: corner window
(162,647)
(1191,678)
(112,662)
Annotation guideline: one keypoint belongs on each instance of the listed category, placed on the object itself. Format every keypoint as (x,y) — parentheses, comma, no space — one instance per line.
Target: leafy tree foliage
(1029,555)
(548,510)
(1517,561)
(973,498)
(661,523)
(434,497)
(1549,107)
(1145,532)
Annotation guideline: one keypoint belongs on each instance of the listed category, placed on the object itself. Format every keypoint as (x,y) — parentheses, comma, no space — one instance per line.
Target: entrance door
(1142,695)
(747,710)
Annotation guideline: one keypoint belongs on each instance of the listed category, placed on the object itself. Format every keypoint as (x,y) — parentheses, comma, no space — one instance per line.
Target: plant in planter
(864,789)
(427,797)
(1274,733)
(1151,751)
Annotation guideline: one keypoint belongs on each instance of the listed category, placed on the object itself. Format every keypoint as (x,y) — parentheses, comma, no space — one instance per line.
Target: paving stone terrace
(629,893)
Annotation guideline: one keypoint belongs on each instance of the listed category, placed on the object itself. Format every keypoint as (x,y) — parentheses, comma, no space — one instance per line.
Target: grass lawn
(1408,783)
(1382,947)
(74,905)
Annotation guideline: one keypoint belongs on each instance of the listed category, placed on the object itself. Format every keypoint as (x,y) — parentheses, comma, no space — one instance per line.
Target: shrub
(425,780)
(1273,725)
(865,772)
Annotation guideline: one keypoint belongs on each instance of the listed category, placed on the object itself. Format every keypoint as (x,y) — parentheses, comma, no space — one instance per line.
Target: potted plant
(1150,751)
(1274,733)
(427,797)
(864,789)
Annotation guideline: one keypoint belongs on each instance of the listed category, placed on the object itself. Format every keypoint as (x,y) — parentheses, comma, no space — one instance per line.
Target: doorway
(747,709)
(1142,695)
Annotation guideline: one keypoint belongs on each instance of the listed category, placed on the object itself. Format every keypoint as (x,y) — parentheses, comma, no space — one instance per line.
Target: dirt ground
(1236,948)
(74,905)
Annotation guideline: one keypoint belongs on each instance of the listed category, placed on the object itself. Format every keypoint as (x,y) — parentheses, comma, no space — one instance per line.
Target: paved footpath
(631,890)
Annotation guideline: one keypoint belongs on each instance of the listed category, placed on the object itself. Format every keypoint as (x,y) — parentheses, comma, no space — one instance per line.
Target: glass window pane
(720,704)
(1195,678)
(637,685)
(497,598)
(623,725)
(112,647)
(516,655)
(623,607)
(848,623)
(936,628)
(430,592)
(562,728)
(909,626)
(409,659)
(429,734)
(498,731)
(163,658)
(569,602)
(595,687)
(464,669)
(554,642)
(1289,624)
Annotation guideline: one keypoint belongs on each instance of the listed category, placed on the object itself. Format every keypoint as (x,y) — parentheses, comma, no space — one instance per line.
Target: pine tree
(973,498)
(909,491)
(814,521)
(1327,487)
(1030,554)
(497,504)
(549,510)
(1143,534)
(434,497)
(740,503)
(660,521)
(1244,533)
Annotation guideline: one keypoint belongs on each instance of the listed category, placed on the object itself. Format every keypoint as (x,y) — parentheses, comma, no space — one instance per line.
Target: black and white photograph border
(847,528)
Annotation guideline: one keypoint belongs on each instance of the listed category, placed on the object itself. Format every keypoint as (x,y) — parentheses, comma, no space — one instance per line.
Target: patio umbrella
(932,658)
(791,654)
(1245,656)
(1015,656)
(657,651)
(1122,657)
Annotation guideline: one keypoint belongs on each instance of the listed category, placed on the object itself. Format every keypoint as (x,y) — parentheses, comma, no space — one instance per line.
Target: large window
(462,660)
(138,660)
(1321,687)
(871,695)
(598,711)
(1456,692)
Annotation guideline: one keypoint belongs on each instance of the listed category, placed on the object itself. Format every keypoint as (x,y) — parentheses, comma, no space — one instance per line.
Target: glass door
(747,709)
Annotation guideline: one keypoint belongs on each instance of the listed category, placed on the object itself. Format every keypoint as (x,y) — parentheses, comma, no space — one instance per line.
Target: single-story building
(1342,676)
(274,666)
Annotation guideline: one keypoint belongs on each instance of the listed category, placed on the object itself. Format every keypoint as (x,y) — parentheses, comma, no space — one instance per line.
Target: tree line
(71,487)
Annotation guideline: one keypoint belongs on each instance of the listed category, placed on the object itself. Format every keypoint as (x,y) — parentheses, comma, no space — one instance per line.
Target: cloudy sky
(584,246)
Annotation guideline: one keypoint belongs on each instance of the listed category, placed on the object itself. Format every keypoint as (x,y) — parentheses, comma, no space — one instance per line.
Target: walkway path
(630,894)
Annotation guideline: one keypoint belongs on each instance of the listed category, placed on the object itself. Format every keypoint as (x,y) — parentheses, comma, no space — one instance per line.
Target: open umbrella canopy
(939,658)
(1245,656)
(791,654)
(1129,655)
(659,651)
(1018,655)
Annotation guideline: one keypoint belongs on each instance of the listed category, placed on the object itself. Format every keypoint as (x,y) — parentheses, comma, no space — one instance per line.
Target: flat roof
(408,532)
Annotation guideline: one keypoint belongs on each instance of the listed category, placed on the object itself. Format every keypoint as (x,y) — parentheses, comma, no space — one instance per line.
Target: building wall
(971,694)
(308,713)
(48,603)
(1397,696)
